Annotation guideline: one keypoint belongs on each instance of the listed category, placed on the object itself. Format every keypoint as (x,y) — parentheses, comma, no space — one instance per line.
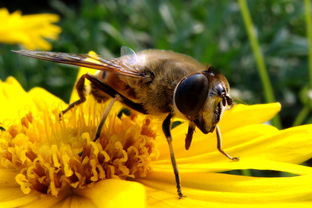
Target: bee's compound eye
(191,94)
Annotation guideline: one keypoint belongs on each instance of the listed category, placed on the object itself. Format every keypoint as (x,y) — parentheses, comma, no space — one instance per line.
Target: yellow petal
(7,177)
(236,118)
(28,30)
(44,99)
(159,199)
(15,102)
(74,201)
(13,197)
(241,115)
(232,183)
(196,167)
(47,201)
(223,189)
(290,145)
(207,143)
(115,193)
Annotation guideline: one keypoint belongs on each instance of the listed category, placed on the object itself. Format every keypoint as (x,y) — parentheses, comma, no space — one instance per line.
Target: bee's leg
(80,87)
(189,135)
(104,116)
(219,145)
(99,85)
(166,129)
(113,93)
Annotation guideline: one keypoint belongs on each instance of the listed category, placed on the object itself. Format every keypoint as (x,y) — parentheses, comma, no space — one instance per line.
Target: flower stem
(302,115)
(251,32)
(308,18)
(307,108)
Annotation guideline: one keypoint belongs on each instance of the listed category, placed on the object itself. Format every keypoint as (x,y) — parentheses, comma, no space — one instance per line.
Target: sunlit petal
(116,193)
(74,201)
(241,115)
(43,99)
(13,197)
(235,165)
(207,143)
(225,189)
(15,102)
(160,199)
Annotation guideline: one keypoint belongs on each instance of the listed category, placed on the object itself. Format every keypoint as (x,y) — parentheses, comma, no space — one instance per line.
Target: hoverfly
(156,82)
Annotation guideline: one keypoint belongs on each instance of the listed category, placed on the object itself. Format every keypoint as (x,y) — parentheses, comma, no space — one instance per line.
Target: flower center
(52,155)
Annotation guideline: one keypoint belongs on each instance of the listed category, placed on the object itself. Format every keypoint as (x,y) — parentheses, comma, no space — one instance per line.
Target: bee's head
(202,97)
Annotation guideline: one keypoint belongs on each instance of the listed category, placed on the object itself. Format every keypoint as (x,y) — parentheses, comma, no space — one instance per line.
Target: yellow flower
(30,31)
(52,162)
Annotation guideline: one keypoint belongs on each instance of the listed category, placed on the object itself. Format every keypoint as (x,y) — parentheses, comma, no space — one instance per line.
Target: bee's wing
(85,60)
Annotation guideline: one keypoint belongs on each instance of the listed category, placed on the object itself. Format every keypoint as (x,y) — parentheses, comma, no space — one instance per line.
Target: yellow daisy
(31,31)
(52,162)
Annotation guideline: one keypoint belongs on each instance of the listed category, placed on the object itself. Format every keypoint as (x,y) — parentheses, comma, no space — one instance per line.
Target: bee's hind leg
(98,84)
(80,87)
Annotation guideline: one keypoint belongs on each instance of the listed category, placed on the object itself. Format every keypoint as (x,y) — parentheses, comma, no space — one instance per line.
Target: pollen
(52,155)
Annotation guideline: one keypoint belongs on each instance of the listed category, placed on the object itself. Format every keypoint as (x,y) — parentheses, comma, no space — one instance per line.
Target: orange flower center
(52,155)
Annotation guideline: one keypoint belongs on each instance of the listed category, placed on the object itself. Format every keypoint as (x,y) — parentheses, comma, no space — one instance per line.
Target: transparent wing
(126,51)
(129,58)
(85,60)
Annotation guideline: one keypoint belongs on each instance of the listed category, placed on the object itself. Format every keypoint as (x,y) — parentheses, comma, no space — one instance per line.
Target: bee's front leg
(189,135)
(166,129)
(219,145)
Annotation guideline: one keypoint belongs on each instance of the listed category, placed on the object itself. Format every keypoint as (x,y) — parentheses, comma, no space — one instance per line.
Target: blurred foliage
(212,31)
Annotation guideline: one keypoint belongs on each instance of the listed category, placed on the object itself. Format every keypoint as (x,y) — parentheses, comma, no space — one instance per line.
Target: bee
(157,82)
